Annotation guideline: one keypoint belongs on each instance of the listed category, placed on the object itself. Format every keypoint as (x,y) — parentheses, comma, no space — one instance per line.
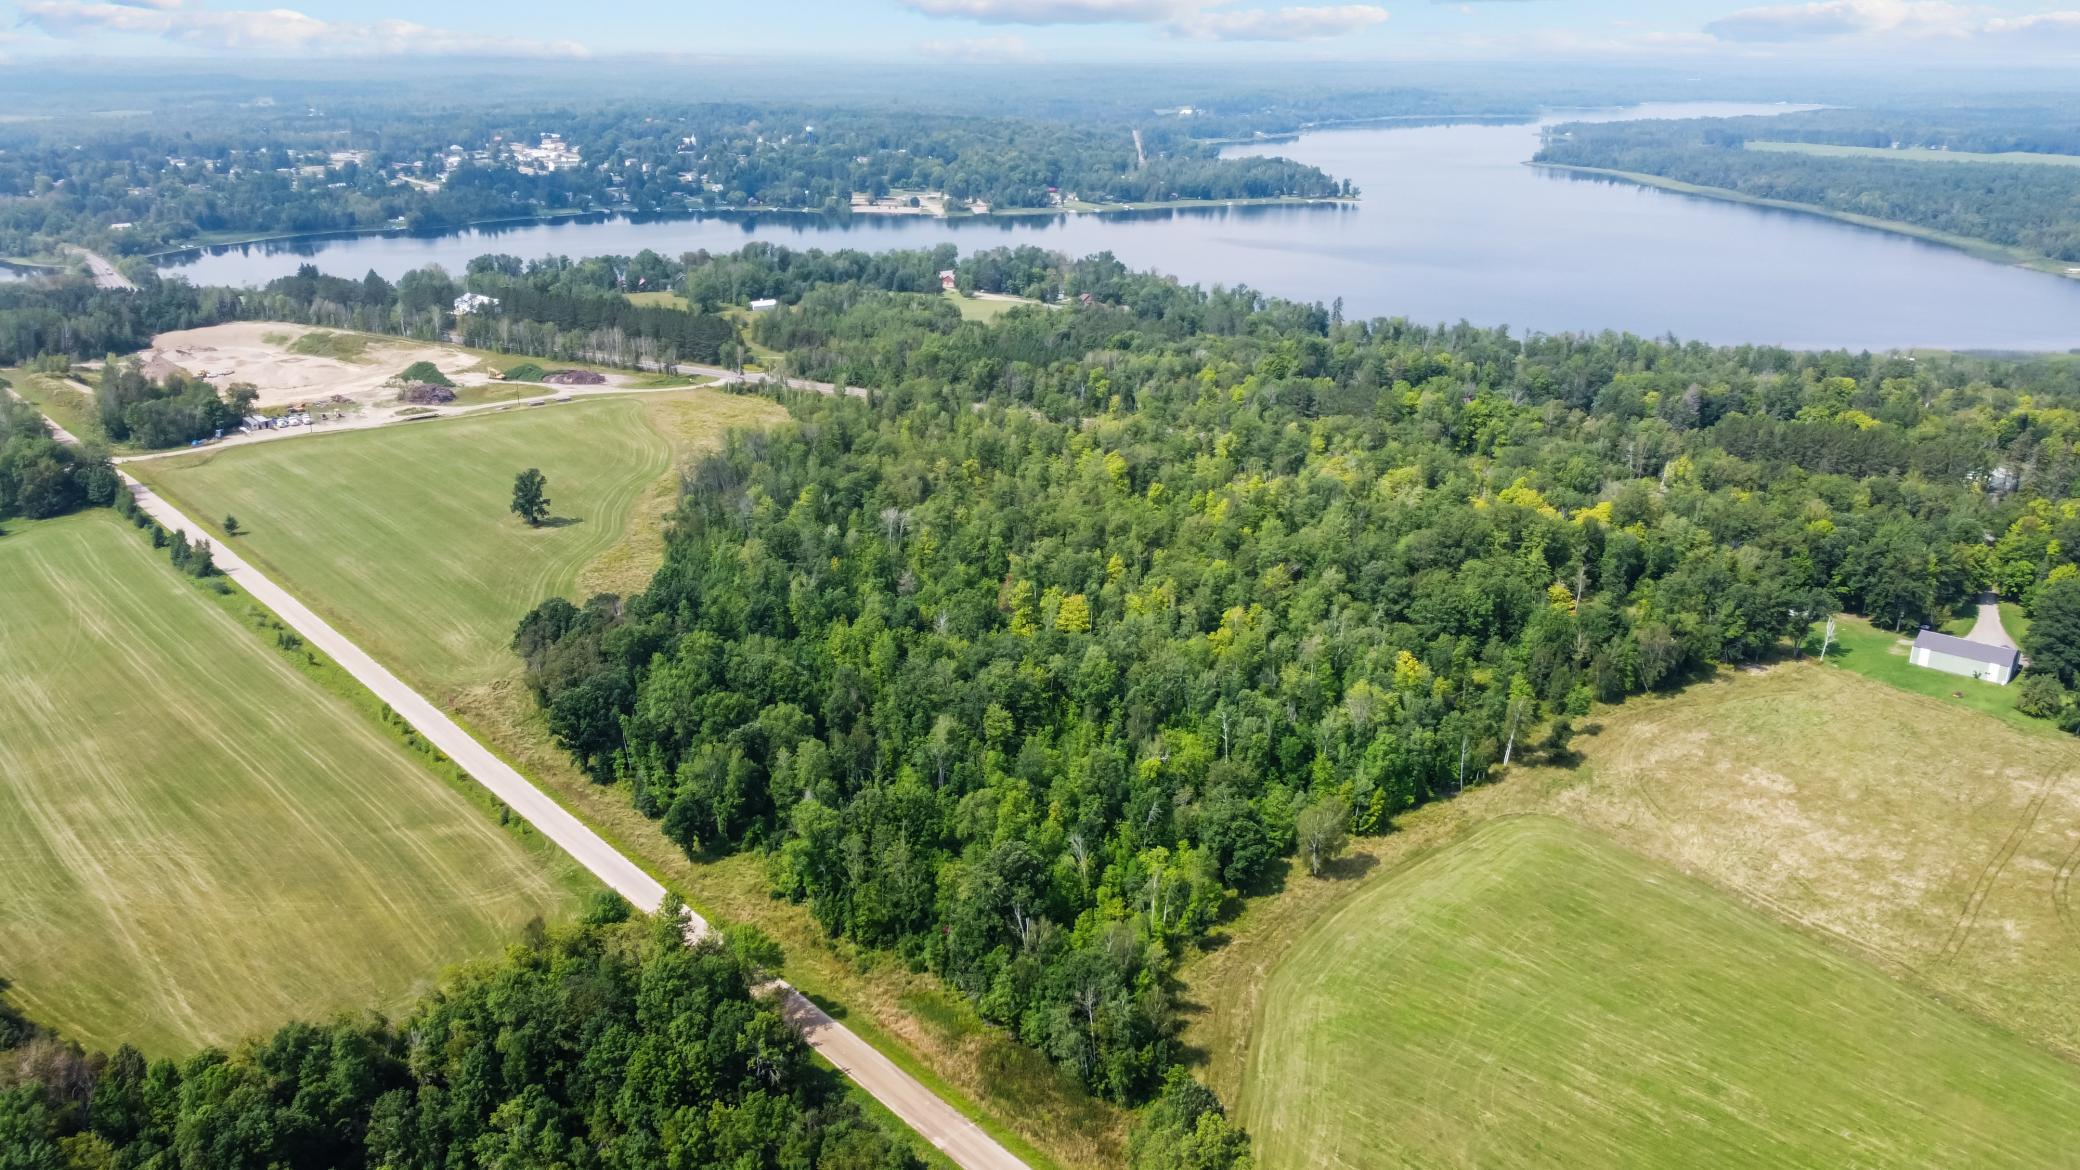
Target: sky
(2033,32)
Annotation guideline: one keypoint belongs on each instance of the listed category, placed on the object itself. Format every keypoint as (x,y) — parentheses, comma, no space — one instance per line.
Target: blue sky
(2033,31)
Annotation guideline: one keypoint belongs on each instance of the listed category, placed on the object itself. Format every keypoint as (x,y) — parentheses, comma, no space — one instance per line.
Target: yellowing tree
(1074,615)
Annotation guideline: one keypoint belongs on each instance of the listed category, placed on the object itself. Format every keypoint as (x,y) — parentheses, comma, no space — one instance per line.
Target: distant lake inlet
(1452,226)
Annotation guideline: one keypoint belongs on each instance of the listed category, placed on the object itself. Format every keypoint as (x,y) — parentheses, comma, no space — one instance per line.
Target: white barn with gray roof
(1995,664)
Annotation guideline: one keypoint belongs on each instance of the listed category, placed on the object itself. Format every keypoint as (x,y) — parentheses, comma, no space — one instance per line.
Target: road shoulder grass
(300,530)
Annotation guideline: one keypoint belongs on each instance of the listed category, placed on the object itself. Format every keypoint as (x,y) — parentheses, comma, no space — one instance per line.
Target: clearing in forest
(401,536)
(199,841)
(1533,995)
(1933,844)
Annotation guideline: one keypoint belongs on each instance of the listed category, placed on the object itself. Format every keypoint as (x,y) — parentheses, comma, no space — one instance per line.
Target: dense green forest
(2033,208)
(611,1044)
(1029,664)
(2048,125)
(379,166)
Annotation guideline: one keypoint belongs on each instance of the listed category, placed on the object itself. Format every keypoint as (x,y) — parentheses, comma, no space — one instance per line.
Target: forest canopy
(1027,665)
(2032,207)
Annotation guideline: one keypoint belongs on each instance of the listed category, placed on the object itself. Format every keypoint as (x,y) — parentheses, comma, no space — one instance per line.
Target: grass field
(985,310)
(402,537)
(61,399)
(659,300)
(1882,655)
(1535,996)
(198,841)
(327,518)
(1917,154)
(1931,842)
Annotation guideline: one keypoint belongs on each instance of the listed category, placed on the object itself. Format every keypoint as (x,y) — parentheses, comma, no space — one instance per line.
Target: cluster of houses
(550,155)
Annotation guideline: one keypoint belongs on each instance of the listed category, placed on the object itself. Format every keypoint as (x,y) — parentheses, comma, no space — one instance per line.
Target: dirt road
(1988,628)
(957,1137)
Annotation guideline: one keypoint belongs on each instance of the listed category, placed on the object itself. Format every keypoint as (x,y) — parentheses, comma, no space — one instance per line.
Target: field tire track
(1975,902)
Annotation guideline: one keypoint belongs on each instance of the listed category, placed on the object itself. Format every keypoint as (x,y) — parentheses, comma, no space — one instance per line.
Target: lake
(1452,226)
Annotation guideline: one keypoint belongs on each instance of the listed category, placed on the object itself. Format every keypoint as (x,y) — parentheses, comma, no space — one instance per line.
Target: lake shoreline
(1972,246)
(601,216)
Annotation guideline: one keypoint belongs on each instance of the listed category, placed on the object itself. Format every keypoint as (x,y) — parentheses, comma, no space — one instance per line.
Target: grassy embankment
(203,835)
(66,399)
(1983,249)
(432,580)
(1899,836)
(1534,995)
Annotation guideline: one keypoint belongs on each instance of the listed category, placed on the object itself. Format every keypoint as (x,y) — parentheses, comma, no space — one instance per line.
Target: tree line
(2032,207)
(1032,663)
(41,477)
(607,1043)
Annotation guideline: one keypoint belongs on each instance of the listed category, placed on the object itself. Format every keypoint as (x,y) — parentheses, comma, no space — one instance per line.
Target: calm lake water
(1452,226)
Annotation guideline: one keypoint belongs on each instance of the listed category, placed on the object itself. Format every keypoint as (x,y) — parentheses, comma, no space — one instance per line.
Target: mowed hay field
(1534,995)
(197,841)
(402,536)
(1919,841)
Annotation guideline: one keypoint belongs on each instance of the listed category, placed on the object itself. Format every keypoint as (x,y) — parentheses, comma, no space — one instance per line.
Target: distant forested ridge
(144,187)
(603,1046)
(1029,664)
(2032,208)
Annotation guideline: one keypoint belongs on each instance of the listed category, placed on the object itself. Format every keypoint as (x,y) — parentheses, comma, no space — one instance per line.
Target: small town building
(1981,660)
(764,305)
(946,279)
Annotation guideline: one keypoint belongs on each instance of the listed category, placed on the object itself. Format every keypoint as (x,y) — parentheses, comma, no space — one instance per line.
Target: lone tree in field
(1323,829)
(230,525)
(531,496)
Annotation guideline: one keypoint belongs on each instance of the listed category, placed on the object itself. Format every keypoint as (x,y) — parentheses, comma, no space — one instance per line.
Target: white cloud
(1956,27)
(1624,41)
(2044,29)
(1826,19)
(1058,11)
(1004,48)
(1279,24)
(283,30)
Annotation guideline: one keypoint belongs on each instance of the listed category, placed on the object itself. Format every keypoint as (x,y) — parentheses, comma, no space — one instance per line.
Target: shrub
(2041,696)
(425,372)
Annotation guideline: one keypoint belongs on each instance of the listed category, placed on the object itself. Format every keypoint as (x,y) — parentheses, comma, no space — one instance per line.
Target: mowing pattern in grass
(1533,996)
(401,535)
(197,843)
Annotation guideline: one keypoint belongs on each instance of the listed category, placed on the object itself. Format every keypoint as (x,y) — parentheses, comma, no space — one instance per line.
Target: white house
(474,303)
(1995,664)
(765,305)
